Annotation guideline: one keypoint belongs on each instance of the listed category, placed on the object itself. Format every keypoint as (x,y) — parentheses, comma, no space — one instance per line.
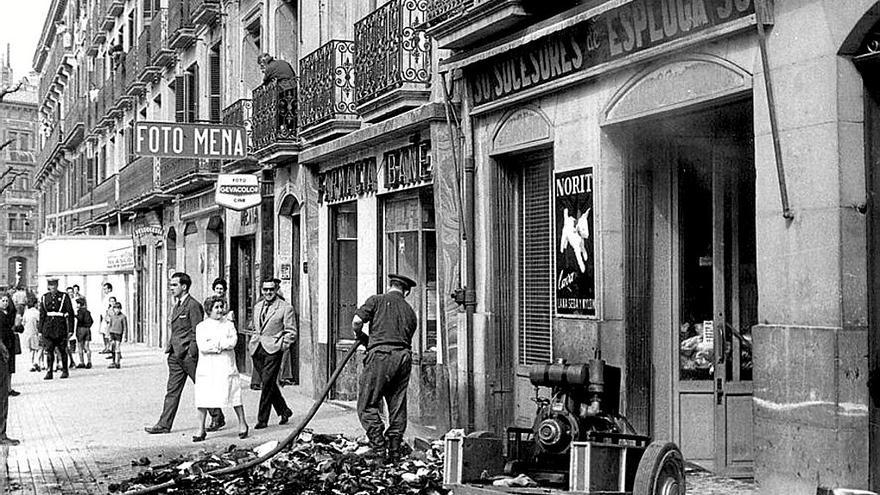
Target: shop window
(411,250)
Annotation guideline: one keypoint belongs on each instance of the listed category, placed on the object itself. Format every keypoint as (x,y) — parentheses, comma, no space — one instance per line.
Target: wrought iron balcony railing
(99,30)
(392,59)
(18,196)
(441,10)
(274,114)
(204,12)
(181,31)
(136,181)
(241,113)
(163,55)
(326,98)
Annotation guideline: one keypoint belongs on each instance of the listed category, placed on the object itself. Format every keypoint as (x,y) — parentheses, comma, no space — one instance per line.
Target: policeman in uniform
(387,364)
(56,324)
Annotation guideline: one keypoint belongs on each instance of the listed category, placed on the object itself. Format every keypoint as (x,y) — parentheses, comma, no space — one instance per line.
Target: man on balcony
(276,70)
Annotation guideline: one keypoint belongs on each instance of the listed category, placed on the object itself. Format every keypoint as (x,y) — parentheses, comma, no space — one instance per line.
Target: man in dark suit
(56,324)
(274,329)
(182,353)
(276,70)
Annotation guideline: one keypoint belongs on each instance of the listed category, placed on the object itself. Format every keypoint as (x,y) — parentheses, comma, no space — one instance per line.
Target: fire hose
(289,439)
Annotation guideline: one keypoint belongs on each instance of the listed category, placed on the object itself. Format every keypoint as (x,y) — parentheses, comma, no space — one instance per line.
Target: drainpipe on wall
(470,293)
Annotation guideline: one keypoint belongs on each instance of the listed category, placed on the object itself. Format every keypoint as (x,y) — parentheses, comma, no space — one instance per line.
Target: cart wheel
(661,471)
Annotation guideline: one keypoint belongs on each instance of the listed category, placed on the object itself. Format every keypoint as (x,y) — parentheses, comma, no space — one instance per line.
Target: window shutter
(192,93)
(536,275)
(180,99)
(215,78)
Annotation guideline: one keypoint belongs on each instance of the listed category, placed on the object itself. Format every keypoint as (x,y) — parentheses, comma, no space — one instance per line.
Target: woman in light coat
(217,380)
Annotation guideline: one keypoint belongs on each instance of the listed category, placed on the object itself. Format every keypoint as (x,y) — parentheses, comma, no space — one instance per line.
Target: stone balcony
(138,184)
(326,97)
(275,120)
(99,31)
(181,175)
(392,60)
(147,71)
(22,238)
(163,56)
(181,30)
(204,12)
(73,129)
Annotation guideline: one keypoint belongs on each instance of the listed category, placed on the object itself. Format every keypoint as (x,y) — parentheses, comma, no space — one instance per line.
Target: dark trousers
(53,343)
(178,371)
(4,393)
(270,394)
(385,376)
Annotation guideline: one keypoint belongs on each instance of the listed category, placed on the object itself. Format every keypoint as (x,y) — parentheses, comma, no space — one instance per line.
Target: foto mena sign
(176,140)
(237,191)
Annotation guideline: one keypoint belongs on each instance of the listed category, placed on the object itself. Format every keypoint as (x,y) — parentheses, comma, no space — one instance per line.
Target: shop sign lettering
(611,35)
(121,259)
(237,191)
(575,265)
(348,181)
(408,166)
(174,140)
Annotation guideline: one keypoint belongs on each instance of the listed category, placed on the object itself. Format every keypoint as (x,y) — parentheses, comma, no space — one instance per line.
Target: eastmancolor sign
(614,34)
(178,140)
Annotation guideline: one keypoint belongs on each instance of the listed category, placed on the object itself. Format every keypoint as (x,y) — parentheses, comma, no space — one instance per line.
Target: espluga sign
(237,191)
(613,34)
(177,140)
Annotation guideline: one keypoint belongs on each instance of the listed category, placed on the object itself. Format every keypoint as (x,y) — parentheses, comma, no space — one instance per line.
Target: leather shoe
(48,376)
(14,393)
(244,434)
(199,438)
(260,426)
(216,424)
(9,441)
(64,374)
(152,430)
(285,418)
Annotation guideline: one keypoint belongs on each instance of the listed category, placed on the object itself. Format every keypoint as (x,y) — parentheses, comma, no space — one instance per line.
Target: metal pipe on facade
(761,7)
(470,292)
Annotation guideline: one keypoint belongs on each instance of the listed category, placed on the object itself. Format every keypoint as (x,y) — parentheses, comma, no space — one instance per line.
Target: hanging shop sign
(177,140)
(614,34)
(408,166)
(348,181)
(575,266)
(238,191)
(120,259)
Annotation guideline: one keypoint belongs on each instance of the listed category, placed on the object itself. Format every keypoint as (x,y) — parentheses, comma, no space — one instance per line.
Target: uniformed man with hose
(387,364)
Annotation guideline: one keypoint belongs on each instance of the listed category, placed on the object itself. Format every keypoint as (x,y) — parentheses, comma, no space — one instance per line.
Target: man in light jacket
(274,328)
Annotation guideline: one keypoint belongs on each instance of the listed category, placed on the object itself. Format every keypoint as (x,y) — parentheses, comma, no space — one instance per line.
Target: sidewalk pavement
(80,434)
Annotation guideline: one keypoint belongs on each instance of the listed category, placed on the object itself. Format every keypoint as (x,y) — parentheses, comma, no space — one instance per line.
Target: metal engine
(583,406)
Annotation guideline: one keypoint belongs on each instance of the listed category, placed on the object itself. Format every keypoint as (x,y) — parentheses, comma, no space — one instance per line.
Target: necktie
(263,315)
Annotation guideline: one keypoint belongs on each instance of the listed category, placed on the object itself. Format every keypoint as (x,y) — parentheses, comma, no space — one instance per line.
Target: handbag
(16,344)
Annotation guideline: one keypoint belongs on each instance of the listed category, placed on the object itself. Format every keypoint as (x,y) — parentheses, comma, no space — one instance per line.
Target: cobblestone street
(79,435)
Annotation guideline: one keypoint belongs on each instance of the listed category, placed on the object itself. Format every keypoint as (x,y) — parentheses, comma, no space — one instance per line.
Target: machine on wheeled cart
(579,443)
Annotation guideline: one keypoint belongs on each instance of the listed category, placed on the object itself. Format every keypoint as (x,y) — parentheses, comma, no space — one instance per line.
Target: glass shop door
(717,301)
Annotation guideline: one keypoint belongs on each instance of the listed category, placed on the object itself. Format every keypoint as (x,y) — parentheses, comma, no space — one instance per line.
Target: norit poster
(575,269)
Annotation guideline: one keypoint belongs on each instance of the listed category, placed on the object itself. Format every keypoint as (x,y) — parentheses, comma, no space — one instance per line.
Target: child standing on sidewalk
(117,326)
(84,323)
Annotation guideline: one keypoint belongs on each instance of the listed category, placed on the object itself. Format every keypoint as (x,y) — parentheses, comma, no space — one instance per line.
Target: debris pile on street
(314,464)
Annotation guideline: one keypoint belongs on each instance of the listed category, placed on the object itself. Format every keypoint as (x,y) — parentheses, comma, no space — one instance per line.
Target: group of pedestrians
(203,350)
(58,329)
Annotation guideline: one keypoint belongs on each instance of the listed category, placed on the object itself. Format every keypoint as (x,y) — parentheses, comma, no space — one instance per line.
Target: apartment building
(18,204)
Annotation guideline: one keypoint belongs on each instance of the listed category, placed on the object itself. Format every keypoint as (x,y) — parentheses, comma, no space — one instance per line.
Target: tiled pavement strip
(79,435)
